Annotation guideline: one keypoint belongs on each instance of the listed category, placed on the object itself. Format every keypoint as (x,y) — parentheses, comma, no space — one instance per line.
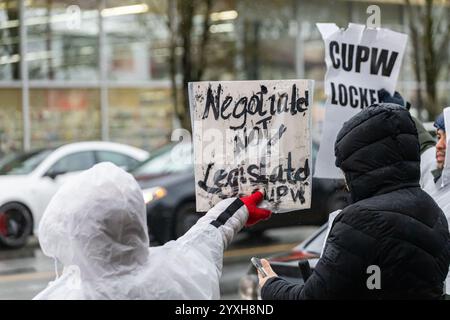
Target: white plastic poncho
(439,190)
(96,227)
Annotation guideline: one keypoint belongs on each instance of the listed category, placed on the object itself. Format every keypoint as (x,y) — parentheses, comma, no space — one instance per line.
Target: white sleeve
(224,220)
(331,218)
(199,253)
(228,217)
(427,164)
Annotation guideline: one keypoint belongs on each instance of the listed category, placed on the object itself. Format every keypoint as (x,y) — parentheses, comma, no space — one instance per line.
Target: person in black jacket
(393,230)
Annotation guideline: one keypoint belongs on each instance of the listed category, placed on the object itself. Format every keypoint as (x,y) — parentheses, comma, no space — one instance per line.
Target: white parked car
(29,180)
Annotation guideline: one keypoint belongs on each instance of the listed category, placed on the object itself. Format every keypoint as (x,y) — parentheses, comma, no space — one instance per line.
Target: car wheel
(186,217)
(16,225)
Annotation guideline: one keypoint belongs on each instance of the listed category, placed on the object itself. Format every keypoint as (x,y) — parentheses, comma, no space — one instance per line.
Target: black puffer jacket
(392,224)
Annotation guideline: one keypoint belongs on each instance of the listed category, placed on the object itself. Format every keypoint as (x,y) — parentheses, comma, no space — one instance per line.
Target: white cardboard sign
(252,135)
(360,61)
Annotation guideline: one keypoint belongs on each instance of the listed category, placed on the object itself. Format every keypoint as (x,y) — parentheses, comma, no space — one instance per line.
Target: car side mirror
(53,174)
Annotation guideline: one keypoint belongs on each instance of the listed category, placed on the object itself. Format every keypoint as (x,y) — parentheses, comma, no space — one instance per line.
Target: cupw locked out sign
(251,135)
(360,61)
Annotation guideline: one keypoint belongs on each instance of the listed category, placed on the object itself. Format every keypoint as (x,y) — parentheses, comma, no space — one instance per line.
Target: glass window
(118,159)
(62,39)
(60,116)
(311,43)
(315,245)
(268,36)
(74,162)
(221,58)
(136,40)
(140,117)
(169,159)
(23,163)
(391,14)
(11,122)
(9,40)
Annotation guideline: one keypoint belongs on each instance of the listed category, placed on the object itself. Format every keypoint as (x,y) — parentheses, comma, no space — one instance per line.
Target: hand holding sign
(360,61)
(252,135)
(385,96)
(255,214)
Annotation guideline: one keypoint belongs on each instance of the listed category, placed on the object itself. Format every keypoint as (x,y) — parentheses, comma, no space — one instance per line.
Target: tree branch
(201,63)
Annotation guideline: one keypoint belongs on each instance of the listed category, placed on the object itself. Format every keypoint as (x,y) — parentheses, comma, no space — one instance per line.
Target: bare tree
(192,63)
(429,26)
(12,14)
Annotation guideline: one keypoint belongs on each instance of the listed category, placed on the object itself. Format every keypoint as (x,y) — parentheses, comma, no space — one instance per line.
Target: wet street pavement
(25,272)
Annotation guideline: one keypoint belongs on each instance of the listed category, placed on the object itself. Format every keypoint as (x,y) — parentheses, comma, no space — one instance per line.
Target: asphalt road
(25,272)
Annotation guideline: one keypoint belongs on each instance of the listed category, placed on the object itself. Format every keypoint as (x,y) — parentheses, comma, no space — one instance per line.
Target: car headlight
(154,194)
(249,287)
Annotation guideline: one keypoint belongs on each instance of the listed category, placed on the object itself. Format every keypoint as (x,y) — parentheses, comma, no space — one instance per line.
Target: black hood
(378,151)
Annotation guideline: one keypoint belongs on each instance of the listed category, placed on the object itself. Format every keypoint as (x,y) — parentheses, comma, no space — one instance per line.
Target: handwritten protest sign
(360,61)
(252,135)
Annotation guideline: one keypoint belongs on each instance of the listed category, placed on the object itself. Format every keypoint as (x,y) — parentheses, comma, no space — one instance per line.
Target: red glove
(255,214)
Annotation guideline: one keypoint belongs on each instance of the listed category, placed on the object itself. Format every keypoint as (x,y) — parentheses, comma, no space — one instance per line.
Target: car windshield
(169,159)
(23,163)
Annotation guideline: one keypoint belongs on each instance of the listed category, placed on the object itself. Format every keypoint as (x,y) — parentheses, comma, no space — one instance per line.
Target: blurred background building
(73,70)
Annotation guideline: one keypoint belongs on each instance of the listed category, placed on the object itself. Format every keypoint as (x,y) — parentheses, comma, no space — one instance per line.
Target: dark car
(167,180)
(292,265)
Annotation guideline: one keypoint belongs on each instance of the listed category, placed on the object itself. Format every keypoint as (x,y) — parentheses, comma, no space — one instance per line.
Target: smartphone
(258,265)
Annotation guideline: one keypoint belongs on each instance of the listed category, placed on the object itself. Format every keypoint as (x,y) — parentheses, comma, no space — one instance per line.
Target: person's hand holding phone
(268,270)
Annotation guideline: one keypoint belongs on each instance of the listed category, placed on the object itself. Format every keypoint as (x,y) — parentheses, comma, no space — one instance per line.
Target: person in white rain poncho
(96,227)
(435,172)
(435,175)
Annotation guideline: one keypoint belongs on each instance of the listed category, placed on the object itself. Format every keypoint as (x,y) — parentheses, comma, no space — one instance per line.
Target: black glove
(384,96)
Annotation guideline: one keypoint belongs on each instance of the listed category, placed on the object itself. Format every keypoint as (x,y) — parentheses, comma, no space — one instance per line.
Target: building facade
(100,69)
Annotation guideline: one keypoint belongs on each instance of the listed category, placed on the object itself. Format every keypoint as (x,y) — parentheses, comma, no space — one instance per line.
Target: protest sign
(360,61)
(252,135)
